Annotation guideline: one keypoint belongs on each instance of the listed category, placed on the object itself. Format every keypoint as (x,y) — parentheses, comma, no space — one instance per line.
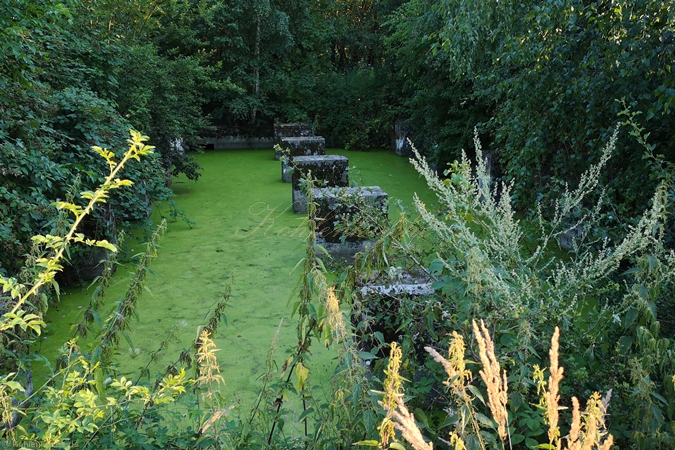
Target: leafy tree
(556,73)
(243,41)
(441,110)
(80,73)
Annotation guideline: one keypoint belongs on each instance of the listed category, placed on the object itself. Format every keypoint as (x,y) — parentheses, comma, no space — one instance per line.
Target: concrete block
(341,251)
(384,293)
(362,207)
(284,130)
(300,146)
(394,282)
(327,170)
(397,290)
(304,146)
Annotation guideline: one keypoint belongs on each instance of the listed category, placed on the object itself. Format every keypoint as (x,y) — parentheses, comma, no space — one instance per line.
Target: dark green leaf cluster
(545,82)
(73,76)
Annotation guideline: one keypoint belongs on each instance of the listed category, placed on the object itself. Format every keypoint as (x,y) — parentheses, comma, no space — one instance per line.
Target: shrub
(607,298)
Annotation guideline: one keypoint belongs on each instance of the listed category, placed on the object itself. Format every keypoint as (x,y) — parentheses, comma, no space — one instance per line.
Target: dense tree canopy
(548,81)
(545,83)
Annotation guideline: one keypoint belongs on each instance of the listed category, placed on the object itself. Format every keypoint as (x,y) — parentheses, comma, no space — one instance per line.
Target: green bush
(612,302)
(354,112)
(68,84)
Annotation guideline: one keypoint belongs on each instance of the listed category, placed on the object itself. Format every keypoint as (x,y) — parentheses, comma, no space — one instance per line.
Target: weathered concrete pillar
(327,170)
(362,206)
(382,293)
(397,289)
(300,146)
(401,145)
(284,130)
(358,210)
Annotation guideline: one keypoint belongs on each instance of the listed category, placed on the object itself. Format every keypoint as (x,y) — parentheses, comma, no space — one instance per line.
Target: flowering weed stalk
(587,431)
(58,245)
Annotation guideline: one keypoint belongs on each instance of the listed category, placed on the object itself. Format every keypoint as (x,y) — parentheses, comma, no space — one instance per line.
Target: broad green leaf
(485,421)
(302,373)
(14,385)
(305,413)
(474,390)
(127,338)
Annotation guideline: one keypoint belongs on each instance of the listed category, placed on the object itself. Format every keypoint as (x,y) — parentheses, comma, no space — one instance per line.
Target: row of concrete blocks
(334,198)
(295,141)
(299,147)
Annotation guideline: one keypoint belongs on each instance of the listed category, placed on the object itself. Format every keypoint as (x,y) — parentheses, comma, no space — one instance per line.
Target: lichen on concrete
(284,130)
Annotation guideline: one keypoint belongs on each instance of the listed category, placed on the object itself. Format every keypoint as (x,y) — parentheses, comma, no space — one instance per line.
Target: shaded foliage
(546,82)
(73,75)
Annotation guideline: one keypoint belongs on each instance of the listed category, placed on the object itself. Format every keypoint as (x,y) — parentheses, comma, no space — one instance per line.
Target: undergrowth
(607,296)
(605,299)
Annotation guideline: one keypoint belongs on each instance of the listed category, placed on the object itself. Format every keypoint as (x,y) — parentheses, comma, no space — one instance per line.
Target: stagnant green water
(244,230)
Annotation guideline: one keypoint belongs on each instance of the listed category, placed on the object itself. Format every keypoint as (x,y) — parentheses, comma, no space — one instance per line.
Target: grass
(244,231)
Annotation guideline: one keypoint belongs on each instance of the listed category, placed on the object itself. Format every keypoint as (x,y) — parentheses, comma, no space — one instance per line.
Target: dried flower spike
(496,382)
(552,396)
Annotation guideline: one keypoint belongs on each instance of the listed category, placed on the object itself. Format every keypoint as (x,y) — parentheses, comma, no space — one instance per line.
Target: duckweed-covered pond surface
(244,230)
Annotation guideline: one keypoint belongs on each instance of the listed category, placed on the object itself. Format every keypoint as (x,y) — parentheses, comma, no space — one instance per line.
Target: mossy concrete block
(358,210)
(284,130)
(300,146)
(327,170)
(304,146)
(341,251)
(381,293)
(397,289)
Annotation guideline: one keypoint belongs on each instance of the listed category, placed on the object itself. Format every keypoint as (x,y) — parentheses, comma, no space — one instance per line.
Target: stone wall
(237,142)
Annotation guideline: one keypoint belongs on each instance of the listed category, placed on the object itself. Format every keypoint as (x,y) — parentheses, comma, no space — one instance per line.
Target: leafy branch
(51,265)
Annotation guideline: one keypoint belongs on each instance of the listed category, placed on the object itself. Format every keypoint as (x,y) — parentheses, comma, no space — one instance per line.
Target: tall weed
(608,296)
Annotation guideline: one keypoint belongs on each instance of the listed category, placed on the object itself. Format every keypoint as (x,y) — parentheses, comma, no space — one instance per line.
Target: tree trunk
(256,67)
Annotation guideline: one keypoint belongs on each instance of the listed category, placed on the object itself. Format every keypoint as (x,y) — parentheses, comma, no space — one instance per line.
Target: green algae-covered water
(246,231)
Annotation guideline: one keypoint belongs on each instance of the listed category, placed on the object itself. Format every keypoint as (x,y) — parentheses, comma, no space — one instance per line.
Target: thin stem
(98,196)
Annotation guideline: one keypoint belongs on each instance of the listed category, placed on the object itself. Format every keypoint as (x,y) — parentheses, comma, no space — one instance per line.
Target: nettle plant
(85,404)
(21,314)
(358,218)
(484,262)
(20,306)
(77,406)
